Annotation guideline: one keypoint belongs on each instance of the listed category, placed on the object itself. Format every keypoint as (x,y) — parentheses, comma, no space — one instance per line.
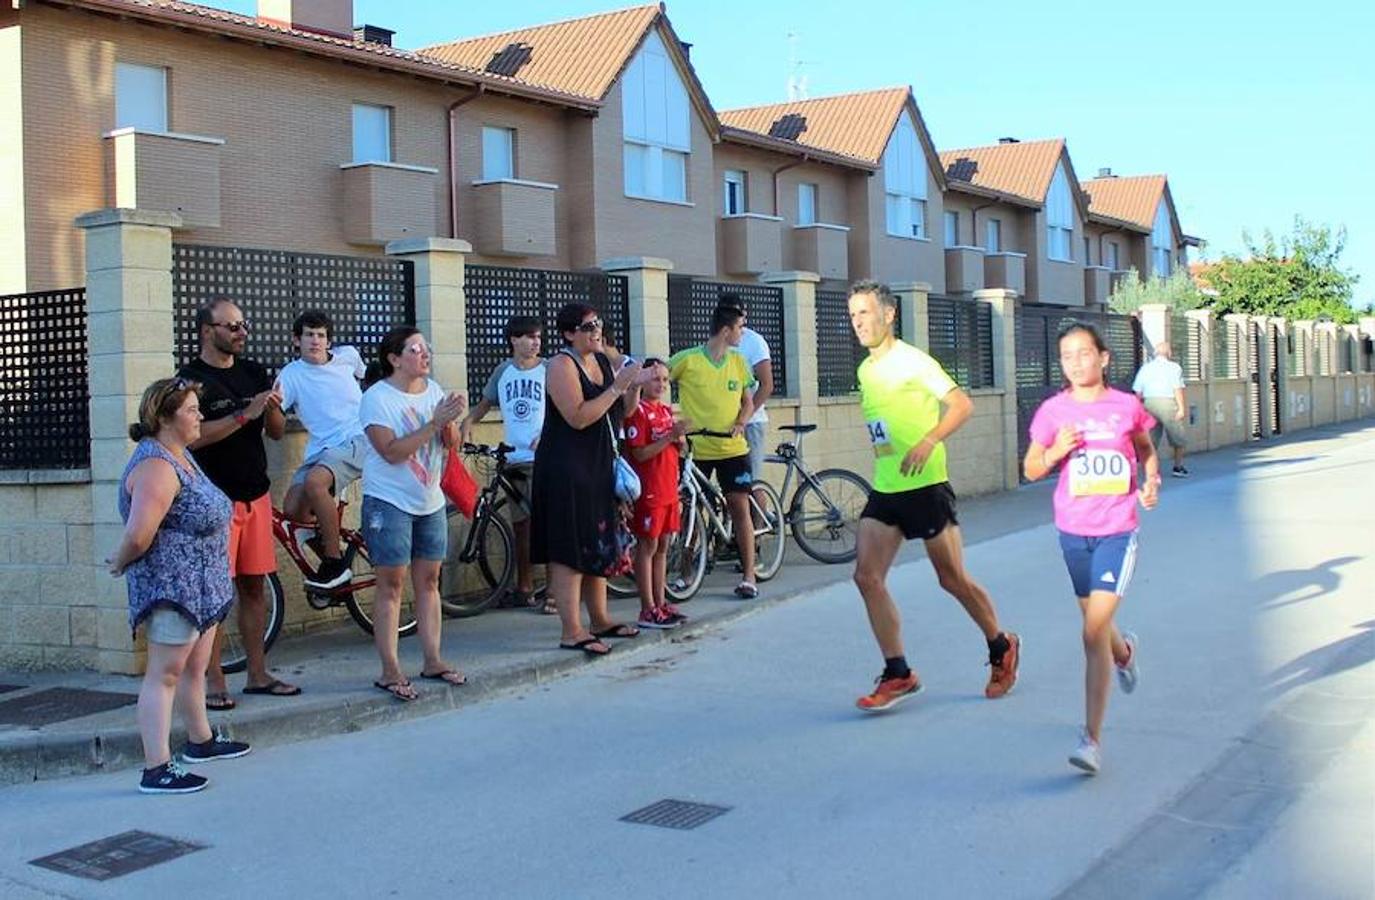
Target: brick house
(1133,224)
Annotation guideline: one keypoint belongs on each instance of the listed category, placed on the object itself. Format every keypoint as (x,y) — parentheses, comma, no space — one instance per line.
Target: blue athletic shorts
(1099,563)
(394,537)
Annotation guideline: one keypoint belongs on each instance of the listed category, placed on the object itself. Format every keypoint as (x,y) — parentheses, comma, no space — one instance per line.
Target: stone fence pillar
(1004,303)
(799,333)
(129,304)
(648,294)
(440,306)
(1155,325)
(912,301)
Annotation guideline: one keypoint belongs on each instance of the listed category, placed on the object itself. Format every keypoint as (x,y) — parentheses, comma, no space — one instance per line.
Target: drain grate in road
(59,705)
(680,814)
(118,855)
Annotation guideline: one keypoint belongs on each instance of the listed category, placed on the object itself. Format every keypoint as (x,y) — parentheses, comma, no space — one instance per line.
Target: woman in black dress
(574,509)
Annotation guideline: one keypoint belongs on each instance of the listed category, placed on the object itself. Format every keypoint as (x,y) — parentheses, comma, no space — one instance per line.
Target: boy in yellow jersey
(901,391)
(714,382)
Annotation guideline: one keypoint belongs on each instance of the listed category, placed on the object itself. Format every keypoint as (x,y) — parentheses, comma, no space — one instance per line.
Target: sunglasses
(591,326)
(418,349)
(235,327)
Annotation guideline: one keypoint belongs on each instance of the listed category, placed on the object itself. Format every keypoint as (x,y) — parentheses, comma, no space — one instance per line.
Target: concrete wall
(13,276)
(1229,417)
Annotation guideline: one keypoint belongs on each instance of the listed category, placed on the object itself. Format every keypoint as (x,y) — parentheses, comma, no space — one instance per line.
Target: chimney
(686,47)
(1106,173)
(373,35)
(331,17)
(1008,140)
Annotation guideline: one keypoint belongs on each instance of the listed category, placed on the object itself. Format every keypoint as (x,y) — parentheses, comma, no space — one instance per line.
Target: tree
(1298,277)
(1178,292)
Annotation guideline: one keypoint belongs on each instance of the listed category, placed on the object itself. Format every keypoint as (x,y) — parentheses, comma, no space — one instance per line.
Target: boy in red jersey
(652,436)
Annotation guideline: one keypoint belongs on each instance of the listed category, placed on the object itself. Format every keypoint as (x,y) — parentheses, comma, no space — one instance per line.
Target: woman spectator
(575,512)
(409,421)
(174,555)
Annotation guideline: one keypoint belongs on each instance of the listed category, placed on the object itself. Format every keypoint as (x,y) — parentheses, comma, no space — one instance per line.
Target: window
(904,182)
(806,204)
(655,124)
(498,153)
(371,133)
(1088,257)
(993,236)
(140,97)
(1162,240)
(952,228)
(736,202)
(1060,218)
(1112,257)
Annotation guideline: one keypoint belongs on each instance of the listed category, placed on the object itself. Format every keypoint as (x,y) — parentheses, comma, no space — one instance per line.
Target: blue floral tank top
(187,566)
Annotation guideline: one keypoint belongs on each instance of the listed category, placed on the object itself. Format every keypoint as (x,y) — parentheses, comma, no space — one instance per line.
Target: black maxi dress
(574,510)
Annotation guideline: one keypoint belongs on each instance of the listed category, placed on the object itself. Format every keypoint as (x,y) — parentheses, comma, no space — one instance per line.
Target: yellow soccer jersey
(709,394)
(900,395)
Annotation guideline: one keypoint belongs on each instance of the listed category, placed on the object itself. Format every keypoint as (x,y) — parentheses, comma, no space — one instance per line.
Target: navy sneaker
(171,778)
(213,749)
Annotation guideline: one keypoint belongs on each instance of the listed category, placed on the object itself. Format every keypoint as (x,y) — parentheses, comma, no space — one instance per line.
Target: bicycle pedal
(319,599)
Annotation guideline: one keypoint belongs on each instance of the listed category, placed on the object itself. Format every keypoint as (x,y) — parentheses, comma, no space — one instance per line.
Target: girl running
(1101,435)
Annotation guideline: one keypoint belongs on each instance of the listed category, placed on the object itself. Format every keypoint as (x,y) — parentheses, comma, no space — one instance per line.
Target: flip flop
(746,590)
(394,688)
(585,646)
(619,630)
(550,608)
(219,701)
(458,677)
(274,688)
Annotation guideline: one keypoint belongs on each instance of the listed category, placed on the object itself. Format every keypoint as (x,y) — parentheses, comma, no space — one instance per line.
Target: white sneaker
(1129,675)
(1087,755)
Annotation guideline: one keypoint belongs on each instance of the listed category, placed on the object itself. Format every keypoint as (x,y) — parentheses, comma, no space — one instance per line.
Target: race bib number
(1099,473)
(879,437)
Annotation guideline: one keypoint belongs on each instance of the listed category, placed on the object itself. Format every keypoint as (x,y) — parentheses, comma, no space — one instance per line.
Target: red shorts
(656,521)
(250,538)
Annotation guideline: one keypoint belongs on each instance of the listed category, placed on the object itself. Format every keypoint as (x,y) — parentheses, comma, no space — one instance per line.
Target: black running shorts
(919,513)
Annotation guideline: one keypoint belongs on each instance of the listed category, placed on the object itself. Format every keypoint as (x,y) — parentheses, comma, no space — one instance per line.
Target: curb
(39,757)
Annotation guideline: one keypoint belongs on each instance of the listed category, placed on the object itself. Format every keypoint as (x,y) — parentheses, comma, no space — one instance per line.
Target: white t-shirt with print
(755,350)
(326,397)
(520,395)
(411,485)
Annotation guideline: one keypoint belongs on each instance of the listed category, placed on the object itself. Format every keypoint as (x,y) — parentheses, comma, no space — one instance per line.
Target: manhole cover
(119,855)
(680,814)
(59,705)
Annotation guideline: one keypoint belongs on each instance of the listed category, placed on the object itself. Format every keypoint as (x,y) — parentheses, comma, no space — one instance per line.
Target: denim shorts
(1099,563)
(394,537)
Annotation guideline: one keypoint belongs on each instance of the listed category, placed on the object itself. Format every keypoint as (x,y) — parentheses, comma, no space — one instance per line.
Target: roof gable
(1133,200)
(1020,170)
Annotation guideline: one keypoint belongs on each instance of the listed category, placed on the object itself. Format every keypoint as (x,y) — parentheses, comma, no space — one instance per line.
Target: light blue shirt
(1159,378)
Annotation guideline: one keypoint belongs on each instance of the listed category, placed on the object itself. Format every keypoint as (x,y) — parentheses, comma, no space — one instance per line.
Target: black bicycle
(480,574)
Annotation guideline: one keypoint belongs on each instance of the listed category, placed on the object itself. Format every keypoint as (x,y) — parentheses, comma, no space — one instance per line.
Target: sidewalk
(503,652)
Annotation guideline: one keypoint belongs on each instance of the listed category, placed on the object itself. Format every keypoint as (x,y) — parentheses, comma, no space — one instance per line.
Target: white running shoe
(1086,756)
(1129,675)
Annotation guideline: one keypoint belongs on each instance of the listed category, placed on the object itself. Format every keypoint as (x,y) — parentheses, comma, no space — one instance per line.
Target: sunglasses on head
(590,326)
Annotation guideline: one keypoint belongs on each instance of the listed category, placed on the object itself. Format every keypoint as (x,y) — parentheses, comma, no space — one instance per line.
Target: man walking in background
(1160,385)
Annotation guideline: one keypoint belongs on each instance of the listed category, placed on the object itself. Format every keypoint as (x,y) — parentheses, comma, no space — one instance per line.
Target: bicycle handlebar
(498,452)
(704,432)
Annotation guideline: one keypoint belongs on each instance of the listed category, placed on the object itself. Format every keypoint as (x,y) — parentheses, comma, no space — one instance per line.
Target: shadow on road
(1350,652)
(1320,579)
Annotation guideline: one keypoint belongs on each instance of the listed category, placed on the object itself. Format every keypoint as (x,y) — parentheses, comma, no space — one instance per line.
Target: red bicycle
(300,542)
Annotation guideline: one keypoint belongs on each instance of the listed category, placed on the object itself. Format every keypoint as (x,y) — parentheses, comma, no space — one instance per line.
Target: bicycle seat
(798,429)
(504,447)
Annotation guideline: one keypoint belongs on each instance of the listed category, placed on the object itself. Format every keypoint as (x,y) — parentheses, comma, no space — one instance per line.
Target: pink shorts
(250,538)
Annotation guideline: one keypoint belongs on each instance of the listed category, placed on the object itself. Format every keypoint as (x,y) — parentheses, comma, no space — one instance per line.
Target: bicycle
(826,505)
(487,540)
(300,541)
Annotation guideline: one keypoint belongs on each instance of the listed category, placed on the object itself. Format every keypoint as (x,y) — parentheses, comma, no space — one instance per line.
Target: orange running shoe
(890,692)
(1004,675)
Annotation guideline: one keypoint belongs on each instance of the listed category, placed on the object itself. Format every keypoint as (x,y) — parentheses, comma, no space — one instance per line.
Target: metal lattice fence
(44,384)
(365,296)
(1186,337)
(691,303)
(960,335)
(496,293)
(1226,349)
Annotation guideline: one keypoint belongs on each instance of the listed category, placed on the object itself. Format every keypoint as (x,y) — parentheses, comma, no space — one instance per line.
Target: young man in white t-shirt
(516,387)
(322,386)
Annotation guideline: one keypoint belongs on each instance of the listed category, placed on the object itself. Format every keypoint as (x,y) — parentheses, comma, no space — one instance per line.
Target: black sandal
(585,646)
(395,688)
(619,630)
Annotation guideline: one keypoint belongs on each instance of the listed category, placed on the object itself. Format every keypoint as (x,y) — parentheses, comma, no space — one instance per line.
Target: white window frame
(808,199)
(656,124)
(498,153)
(952,227)
(366,146)
(1162,241)
(735,198)
(993,235)
(141,97)
(1060,217)
(904,182)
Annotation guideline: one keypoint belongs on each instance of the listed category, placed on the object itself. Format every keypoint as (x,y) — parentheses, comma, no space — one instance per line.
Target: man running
(902,390)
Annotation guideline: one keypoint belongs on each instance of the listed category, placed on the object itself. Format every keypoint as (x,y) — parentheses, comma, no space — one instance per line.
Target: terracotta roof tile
(853,125)
(1131,199)
(583,56)
(1022,170)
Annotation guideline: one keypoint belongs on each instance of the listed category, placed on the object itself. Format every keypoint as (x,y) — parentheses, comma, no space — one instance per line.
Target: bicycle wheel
(769,542)
(623,586)
(233,657)
(825,515)
(360,600)
(472,582)
(539,573)
(687,559)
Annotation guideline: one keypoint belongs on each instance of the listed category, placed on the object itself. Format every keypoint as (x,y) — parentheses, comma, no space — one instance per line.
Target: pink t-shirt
(1096,495)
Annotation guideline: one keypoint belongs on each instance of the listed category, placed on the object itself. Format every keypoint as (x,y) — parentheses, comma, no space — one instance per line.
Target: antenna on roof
(797,81)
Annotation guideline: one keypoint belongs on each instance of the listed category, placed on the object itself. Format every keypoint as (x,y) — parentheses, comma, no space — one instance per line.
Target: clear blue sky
(1257,112)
